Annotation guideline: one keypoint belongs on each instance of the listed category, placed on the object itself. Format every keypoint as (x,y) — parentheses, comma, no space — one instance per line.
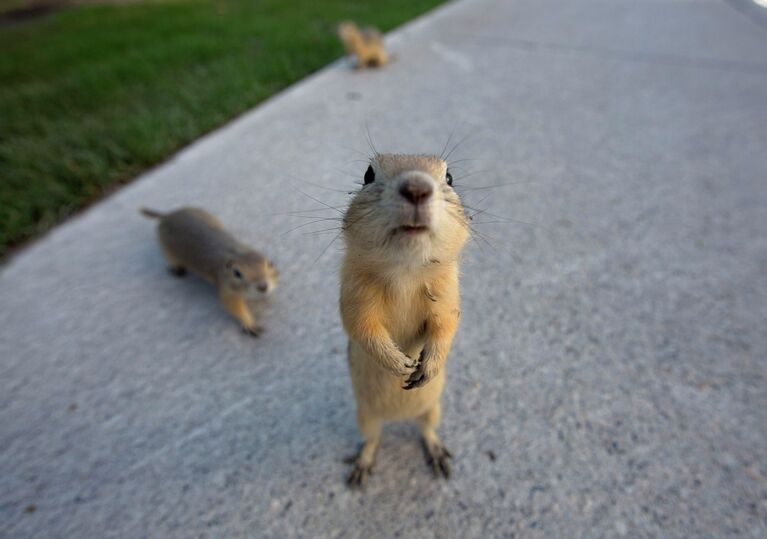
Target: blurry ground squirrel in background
(404,232)
(365,45)
(193,239)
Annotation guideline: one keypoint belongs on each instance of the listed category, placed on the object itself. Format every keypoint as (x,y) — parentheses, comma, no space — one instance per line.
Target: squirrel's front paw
(422,374)
(253,331)
(406,367)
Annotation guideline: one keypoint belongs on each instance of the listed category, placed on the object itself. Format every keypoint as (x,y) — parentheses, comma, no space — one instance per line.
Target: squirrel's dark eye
(370,175)
(237,273)
(449,178)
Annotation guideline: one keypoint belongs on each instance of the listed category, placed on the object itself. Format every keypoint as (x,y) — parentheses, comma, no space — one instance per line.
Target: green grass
(93,95)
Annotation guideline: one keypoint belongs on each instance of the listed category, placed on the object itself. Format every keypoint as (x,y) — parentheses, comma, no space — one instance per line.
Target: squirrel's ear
(229,264)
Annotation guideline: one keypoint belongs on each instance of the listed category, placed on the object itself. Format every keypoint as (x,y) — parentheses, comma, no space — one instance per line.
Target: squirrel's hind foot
(438,457)
(253,331)
(177,271)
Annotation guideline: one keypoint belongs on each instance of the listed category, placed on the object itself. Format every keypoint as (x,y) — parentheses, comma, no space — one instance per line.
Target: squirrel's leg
(437,455)
(236,306)
(174,266)
(377,57)
(370,427)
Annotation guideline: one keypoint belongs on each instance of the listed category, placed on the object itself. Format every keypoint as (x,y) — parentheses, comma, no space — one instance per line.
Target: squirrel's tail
(152,213)
(348,31)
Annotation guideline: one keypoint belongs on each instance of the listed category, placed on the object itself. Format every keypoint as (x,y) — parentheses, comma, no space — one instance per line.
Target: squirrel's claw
(438,457)
(417,378)
(408,367)
(359,476)
(253,331)
(177,271)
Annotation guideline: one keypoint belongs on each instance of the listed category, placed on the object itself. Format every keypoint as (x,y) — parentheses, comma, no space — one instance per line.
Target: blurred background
(93,92)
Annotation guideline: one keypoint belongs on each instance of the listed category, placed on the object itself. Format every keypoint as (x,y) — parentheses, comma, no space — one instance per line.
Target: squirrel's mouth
(412,230)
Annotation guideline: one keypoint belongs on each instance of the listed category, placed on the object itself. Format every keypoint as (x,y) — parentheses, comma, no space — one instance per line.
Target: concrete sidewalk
(609,376)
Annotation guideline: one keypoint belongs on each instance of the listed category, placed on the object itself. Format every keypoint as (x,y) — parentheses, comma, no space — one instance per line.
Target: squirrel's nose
(262,287)
(416,190)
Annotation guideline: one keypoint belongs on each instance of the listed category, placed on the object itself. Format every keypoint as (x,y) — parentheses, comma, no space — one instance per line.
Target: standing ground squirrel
(365,45)
(404,231)
(193,239)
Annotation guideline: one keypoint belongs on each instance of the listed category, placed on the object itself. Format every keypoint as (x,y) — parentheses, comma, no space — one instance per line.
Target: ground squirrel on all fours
(404,232)
(365,45)
(193,239)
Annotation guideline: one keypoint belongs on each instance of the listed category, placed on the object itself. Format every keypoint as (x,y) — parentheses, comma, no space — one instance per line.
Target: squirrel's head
(250,274)
(406,212)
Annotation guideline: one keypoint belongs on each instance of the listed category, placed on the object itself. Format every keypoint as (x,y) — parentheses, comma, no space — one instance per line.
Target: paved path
(609,377)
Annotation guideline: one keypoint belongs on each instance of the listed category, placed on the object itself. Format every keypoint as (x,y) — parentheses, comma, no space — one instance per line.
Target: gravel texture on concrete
(609,375)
